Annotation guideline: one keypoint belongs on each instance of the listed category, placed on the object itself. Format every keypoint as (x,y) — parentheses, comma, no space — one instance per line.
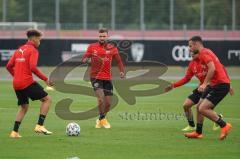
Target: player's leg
(44,108)
(108,92)
(189,102)
(100,100)
(22,110)
(36,92)
(187,105)
(98,88)
(107,104)
(213,98)
(200,119)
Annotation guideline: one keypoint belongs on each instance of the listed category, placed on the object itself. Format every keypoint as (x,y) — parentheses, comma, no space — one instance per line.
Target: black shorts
(196,95)
(106,85)
(217,93)
(35,92)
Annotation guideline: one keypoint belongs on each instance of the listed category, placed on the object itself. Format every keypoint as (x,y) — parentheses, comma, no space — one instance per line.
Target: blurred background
(64,18)
(157,30)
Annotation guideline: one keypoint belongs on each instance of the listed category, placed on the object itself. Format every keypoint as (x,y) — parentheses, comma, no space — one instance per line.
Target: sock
(199,128)
(191,123)
(41,119)
(101,116)
(220,122)
(16,126)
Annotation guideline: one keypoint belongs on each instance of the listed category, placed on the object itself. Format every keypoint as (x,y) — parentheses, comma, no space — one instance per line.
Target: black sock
(101,116)
(221,123)
(41,119)
(16,126)
(199,128)
(191,122)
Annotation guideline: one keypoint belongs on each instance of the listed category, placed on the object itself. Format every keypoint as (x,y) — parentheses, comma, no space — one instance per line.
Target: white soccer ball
(73,129)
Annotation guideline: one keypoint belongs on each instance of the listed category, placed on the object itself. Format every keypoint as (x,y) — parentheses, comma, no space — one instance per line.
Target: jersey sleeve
(88,53)
(33,66)
(117,57)
(188,76)
(10,65)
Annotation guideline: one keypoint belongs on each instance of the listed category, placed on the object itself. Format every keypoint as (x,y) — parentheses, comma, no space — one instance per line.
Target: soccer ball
(73,129)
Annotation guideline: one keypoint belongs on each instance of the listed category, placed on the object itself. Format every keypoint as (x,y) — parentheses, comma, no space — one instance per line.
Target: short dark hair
(33,32)
(103,30)
(196,39)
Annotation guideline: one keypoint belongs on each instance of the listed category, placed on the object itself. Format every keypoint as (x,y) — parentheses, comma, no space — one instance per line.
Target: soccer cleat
(194,135)
(189,128)
(216,126)
(105,123)
(42,129)
(98,124)
(225,131)
(15,134)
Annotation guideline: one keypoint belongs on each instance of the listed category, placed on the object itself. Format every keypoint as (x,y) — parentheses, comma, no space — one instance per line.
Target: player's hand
(231,91)
(202,87)
(168,88)
(122,75)
(49,83)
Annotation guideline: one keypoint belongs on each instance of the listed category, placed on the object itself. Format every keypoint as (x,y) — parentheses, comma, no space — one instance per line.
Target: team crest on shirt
(94,51)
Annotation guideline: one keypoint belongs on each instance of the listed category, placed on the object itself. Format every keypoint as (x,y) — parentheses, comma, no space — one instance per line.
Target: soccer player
(101,54)
(219,87)
(21,66)
(194,69)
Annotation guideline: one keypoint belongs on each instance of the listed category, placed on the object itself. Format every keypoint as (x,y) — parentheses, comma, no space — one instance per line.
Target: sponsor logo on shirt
(22,59)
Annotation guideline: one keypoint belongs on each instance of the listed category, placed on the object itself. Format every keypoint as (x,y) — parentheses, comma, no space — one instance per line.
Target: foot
(225,131)
(216,126)
(105,123)
(193,134)
(15,134)
(98,124)
(189,128)
(42,129)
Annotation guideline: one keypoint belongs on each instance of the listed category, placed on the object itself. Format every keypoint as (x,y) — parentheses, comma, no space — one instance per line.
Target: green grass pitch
(132,138)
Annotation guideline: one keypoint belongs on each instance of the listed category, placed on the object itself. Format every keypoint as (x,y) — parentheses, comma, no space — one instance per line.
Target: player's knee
(100,101)
(186,106)
(24,108)
(107,105)
(47,99)
(201,109)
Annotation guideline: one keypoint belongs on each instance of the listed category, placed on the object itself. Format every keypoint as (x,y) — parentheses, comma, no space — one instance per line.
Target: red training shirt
(22,64)
(195,68)
(220,74)
(101,59)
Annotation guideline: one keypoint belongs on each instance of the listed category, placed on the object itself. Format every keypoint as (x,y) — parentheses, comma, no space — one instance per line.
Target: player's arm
(188,76)
(10,65)
(86,55)
(210,73)
(33,66)
(117,57)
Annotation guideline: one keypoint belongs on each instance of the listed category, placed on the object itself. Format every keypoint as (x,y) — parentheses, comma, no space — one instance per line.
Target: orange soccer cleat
(194,135)
(225,131)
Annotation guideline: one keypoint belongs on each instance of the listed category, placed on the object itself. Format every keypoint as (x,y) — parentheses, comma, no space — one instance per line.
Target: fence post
(30,10)
(113,14)
(171,14)
(233,15)
(84,14)
(202,15)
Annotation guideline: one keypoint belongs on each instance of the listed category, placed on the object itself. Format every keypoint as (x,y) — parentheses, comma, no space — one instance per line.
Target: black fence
(54,52)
